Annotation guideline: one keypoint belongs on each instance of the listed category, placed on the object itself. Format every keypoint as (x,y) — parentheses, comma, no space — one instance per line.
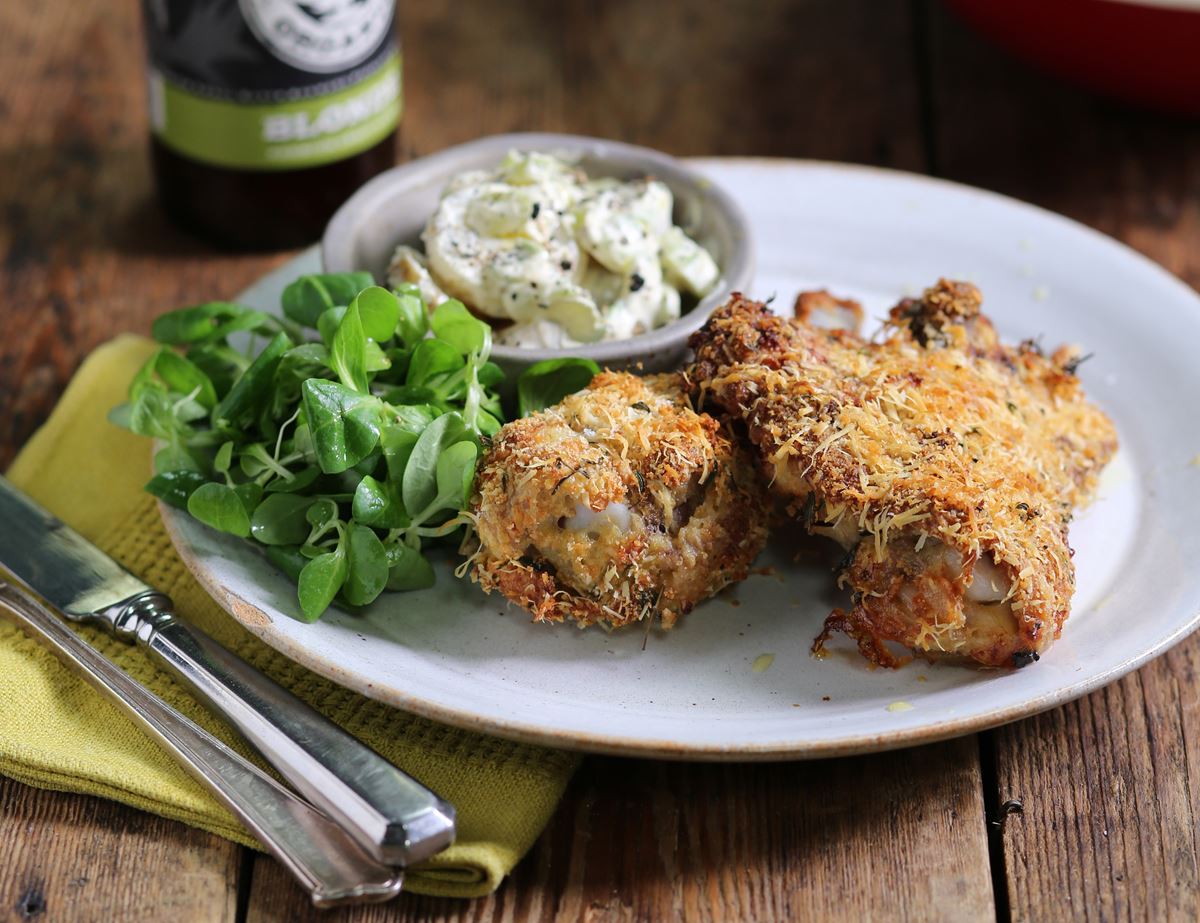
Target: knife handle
(325,860)
(393,816)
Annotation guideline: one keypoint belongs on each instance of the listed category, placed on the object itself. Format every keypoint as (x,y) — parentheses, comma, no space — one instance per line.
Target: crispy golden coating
(618,504)
(945,462)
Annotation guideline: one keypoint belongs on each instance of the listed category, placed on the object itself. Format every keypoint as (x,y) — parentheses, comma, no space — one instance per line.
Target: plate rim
(259,623)
(1002,198)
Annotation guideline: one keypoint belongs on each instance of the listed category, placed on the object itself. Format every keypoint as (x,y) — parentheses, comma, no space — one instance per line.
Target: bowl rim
(737,272)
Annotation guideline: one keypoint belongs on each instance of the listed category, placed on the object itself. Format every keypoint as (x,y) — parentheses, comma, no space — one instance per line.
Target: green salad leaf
(341,440)
(219,506)
(176,487)
(320,581)
(309,297)
(546,383)
(281,519)
(344,424)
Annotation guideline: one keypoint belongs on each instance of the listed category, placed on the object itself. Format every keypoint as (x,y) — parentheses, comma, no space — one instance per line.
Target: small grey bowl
(392,209)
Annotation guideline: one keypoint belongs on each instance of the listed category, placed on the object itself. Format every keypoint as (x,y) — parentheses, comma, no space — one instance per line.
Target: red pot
(1140,51)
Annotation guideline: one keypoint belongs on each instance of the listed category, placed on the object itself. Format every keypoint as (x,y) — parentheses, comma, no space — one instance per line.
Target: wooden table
(1108,787)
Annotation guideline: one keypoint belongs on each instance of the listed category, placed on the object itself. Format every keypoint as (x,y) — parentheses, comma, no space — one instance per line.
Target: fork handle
(322,857)
(393,816)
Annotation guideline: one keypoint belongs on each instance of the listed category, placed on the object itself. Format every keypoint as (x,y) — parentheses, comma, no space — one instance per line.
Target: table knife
(396,819)
(320,855)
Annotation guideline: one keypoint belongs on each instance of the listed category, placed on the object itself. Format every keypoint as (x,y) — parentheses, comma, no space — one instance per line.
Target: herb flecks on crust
(619,504)
(947,463)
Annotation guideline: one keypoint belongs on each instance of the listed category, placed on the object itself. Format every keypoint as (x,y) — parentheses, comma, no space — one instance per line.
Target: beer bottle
(266,114)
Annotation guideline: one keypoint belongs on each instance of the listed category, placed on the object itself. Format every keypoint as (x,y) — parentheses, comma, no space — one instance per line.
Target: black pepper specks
(636,282)
(1028,512)
(537,210)
(565,264)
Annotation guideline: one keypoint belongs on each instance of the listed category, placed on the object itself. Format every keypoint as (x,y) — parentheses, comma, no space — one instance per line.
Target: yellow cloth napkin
(55,732)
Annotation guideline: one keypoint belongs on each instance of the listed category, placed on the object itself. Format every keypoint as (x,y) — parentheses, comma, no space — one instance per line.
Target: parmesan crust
(938,456)
(619,504)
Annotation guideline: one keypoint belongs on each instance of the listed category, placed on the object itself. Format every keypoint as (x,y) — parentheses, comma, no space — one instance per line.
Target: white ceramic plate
(458,656)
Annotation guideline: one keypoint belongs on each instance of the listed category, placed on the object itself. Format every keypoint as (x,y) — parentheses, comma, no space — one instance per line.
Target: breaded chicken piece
(620,503)
(947,464)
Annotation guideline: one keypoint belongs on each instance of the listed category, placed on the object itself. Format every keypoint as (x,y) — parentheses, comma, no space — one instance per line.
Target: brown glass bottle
(267,114)
(253,210)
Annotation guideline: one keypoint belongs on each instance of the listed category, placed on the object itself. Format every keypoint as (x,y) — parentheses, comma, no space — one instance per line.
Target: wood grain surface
(637,840)
(1087,812)
(76,857)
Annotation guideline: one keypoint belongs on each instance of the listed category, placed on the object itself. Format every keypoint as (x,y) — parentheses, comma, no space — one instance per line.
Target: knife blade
(393,816)
(67,570)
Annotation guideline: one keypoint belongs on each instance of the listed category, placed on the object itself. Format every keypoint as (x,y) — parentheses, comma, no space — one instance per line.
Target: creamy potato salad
(566,259)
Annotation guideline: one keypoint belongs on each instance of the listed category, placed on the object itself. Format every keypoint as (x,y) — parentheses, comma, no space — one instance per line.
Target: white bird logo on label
(319,36)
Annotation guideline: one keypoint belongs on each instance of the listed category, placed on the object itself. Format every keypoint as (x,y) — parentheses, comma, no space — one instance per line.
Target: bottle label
(272,84)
